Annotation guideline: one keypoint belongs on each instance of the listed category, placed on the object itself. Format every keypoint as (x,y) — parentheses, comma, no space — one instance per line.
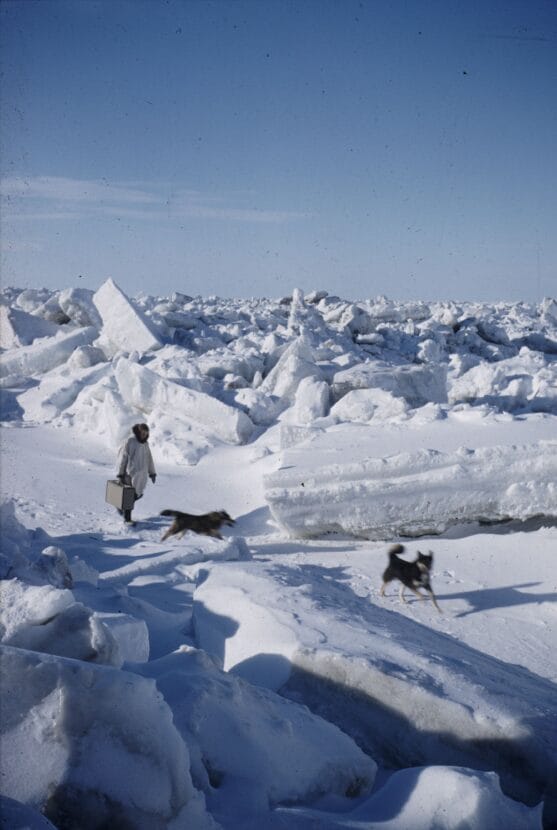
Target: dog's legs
(382,591)
(401,593)
(173,531)
(432,597)
(414,591)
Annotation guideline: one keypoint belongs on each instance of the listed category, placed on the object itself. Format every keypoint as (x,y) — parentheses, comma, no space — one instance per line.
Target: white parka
(136,462)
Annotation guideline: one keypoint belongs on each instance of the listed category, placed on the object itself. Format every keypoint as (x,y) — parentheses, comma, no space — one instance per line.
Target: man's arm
(151,463)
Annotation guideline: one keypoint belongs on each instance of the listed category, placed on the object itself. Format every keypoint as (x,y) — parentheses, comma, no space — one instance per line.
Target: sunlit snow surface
(260,681)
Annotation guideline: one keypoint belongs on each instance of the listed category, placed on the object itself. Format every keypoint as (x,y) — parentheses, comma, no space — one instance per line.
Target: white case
(120,495)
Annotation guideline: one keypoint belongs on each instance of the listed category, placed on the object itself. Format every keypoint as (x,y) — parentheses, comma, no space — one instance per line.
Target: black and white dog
(412,575)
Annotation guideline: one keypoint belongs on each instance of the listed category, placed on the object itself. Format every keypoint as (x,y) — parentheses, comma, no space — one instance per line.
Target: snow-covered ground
(261,681)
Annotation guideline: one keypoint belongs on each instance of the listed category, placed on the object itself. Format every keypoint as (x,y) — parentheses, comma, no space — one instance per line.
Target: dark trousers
(127,514)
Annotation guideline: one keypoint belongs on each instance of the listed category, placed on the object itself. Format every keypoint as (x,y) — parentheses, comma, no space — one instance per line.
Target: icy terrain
(260,681)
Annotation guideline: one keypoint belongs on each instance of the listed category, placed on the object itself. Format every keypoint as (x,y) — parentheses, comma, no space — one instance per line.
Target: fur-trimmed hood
(137,431)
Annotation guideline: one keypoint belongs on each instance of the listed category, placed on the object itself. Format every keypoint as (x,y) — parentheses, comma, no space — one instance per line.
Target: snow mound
(406,693)
(47,619)
(242,739)
(412,494)
(432,797)
(85,725)
(181,557)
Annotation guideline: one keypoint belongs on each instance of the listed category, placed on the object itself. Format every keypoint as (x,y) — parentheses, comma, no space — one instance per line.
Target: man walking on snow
(136,463)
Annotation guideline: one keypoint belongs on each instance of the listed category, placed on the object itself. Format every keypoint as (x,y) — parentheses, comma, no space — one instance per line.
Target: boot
(128,517)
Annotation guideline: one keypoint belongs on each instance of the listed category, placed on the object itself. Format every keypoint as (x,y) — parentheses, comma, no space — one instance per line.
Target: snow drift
(413,494)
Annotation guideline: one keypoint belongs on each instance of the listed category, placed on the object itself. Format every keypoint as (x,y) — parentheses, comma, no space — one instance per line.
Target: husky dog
(412,575)
(207,524)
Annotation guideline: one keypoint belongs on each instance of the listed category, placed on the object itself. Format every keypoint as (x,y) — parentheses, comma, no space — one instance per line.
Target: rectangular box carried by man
(121,496)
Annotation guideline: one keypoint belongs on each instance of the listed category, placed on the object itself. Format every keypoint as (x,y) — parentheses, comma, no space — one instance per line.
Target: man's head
(141,432)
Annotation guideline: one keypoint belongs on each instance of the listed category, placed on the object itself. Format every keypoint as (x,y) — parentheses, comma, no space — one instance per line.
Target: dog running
(412,575)
(207,524)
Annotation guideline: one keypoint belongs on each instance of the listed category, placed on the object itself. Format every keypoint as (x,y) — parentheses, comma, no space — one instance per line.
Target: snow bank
(39,611)
(249,742)
(439,797)
(412,494)
(123,325)
(181,556)
(80,740)
(407,694)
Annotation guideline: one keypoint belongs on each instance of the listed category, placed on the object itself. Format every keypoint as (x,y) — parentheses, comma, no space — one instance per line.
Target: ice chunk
(130,633)
(79,739)
(52,565)
(46,353)
(527,382)
(78,304)
(295,363)
(125,326)
(147,391)
(418,384)
(18,328)
(361,405)
(244,737)
(311,401)
(44,618)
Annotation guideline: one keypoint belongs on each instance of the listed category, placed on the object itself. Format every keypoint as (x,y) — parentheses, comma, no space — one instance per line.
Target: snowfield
(261,681)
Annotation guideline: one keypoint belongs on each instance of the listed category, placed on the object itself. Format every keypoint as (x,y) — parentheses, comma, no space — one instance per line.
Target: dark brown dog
(412,575)
(208,524)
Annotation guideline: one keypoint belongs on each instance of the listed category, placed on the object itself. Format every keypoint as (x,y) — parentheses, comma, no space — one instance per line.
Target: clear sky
(247,147)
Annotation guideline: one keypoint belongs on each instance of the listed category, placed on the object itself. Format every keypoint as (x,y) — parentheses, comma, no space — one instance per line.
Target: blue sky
(247,147)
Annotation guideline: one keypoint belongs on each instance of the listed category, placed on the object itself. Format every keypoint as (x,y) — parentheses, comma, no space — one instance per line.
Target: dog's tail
(169,513)
(394,549)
